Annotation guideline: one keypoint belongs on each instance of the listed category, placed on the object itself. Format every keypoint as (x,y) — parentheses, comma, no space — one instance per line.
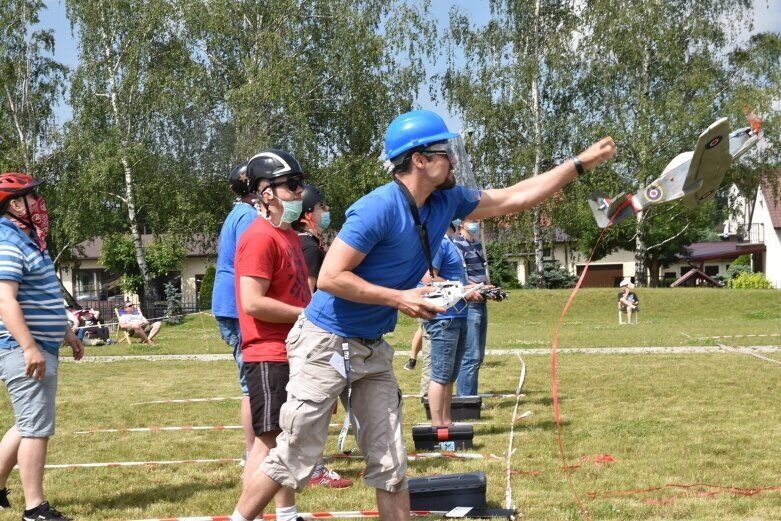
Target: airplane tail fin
(741,141)
(604,208)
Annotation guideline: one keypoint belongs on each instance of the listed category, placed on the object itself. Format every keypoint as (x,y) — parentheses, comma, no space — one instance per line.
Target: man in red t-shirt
(271,292)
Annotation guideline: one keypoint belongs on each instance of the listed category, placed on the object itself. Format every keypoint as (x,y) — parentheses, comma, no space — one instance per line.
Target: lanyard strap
(421,227)
(348,413)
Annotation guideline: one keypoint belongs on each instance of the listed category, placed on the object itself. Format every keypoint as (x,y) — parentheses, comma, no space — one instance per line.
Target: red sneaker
(327,478)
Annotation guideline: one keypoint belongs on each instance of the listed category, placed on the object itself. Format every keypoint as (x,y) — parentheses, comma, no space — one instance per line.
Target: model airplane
(692,177)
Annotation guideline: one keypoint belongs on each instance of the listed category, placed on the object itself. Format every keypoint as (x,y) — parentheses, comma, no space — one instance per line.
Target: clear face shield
(459,159)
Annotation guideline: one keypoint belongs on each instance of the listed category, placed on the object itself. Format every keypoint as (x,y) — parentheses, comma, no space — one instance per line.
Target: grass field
(665,419)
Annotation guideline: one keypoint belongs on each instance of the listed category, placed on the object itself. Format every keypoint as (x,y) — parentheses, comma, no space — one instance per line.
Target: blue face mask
(325,220)
(472,228)
(292,210)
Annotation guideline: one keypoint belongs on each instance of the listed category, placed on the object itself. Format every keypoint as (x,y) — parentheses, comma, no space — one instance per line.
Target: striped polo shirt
(473,258)
(39,292)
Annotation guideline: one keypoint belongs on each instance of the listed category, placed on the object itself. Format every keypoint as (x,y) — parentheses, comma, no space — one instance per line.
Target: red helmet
(15,185)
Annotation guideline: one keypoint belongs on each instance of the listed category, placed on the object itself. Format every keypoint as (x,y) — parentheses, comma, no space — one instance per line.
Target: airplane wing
(708,164)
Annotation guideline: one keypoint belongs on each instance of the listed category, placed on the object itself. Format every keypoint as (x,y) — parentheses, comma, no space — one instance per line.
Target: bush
(207,285)
(556,277)
(750,281)
(173,301)
(743,260)
(735,270)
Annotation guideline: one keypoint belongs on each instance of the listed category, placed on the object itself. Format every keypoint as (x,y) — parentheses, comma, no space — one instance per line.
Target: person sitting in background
(73,320)
(627,301)
(132,320)
(90,325)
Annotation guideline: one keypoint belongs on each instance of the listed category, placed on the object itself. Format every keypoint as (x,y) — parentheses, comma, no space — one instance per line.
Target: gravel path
(677,350)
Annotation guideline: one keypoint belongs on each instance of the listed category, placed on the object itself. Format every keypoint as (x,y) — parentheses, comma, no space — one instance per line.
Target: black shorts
(266,382)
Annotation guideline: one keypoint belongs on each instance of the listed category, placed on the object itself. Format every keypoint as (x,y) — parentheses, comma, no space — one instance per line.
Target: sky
(767,17)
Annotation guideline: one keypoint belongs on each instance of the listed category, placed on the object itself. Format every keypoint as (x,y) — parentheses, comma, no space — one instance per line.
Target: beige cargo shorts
(315,384)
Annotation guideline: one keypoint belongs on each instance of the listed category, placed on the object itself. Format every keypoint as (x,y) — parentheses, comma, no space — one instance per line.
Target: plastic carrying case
(461,407)
(453,437)
(448,491)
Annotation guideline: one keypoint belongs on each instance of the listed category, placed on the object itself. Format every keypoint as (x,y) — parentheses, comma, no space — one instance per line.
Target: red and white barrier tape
(156,428)
(139,463)
(160,429)
(424,455)
(188,400)
(220,399)
(355,514)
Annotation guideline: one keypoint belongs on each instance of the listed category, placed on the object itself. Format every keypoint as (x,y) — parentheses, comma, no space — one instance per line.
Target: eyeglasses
(434,153)
(292,183)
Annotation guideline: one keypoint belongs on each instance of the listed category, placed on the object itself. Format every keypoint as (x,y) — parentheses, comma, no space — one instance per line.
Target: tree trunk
(537,212)
(150,292)
(640,254)
(653,268)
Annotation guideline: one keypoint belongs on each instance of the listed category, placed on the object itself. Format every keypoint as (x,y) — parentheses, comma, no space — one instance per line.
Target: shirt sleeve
(11,262)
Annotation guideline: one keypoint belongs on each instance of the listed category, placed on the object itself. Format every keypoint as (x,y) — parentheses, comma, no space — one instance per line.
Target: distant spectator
(627,301)
(90,325)
(132,320)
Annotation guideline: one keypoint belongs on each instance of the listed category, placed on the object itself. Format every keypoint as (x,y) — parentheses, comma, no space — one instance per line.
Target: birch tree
(514,91)
(655,74)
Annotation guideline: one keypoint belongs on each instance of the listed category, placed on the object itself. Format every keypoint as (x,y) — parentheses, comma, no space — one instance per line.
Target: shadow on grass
(149,496)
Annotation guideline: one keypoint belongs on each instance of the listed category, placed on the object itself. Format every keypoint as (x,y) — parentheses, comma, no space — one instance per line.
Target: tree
(655,94)
(31,84)
(136,141)
(514,91)
(321,79)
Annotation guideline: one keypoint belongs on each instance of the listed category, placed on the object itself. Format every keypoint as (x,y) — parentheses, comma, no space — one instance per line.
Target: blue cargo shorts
(33,400)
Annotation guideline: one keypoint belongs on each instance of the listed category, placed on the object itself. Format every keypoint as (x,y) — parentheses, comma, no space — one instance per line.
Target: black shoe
(43,512)
(410,365)
(4,499)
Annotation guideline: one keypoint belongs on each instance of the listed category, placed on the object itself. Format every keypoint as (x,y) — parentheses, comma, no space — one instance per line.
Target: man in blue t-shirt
(369,274)
(471,248)
(447,332)
(33,325)
(224,291)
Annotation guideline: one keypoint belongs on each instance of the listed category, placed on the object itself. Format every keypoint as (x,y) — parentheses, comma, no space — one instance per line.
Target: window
(95,284)
(711,271)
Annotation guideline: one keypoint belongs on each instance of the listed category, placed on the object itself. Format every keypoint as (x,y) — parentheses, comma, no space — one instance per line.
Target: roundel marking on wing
(653,193)
(713,142)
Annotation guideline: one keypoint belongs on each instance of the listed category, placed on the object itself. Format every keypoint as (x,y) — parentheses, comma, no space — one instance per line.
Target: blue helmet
(413,129)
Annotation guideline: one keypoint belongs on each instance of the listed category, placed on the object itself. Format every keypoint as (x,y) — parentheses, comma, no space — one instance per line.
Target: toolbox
(448,491)
(453,437)
(461,408)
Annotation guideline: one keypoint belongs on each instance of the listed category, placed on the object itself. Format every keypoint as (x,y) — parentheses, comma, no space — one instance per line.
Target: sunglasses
(291,183)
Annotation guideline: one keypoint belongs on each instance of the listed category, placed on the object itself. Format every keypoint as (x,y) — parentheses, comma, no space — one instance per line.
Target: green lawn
(666,419)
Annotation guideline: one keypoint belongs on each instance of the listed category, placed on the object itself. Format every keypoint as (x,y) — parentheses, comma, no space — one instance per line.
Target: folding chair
(125,331)
(622,310)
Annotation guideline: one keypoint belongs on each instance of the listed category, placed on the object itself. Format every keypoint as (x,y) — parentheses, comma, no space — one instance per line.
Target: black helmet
(312,195)
(270,164)
(239,180)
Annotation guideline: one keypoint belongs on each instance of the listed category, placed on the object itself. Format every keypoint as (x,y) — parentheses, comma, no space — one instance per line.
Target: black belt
(368,340)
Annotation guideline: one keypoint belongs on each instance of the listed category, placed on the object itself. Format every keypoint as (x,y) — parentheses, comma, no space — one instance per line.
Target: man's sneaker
(326,477)
(43,512)
(410,365)
(4,503)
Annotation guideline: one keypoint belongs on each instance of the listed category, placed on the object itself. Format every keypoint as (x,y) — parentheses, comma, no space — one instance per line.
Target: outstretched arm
(534,190)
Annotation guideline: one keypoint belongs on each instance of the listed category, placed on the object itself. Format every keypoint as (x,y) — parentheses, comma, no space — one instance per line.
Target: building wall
(772,264)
